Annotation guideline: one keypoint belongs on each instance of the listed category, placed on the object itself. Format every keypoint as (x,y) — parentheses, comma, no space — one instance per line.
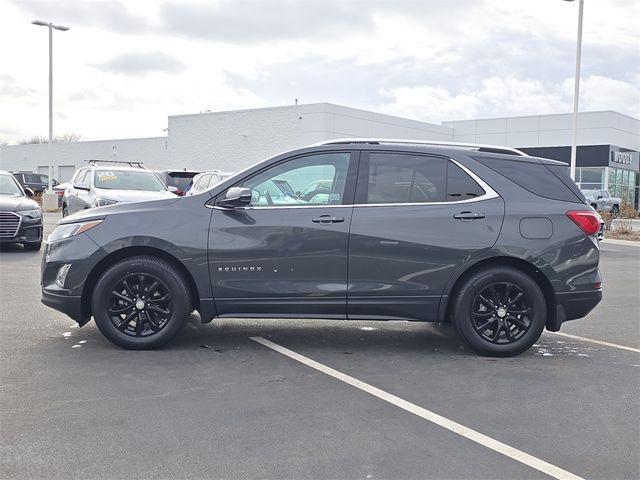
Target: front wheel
(499,311)
(140,303)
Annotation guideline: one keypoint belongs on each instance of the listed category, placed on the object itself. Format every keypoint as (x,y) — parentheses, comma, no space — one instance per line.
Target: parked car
(602,201)
(181,179)
(498,243)
(103,183)
(20,217)
(38,182)
(206,180)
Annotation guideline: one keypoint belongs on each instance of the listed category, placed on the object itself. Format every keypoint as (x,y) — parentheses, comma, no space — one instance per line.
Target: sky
(125,65)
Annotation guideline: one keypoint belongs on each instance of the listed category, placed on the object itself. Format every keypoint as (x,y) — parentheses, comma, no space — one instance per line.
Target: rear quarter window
(539,179)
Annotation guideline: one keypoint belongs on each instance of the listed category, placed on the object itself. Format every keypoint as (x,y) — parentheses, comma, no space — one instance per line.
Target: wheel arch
(128,252)
(503,261)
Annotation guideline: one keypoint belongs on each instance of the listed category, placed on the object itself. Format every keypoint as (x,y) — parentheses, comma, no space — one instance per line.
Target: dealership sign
(628,160)
(621,157)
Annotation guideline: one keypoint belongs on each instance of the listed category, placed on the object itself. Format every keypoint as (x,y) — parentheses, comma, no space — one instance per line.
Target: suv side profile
(498,243)
(108,182)
(38,182)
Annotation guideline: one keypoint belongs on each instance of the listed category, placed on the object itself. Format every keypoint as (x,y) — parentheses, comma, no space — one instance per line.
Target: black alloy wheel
(499,311)
(141,303)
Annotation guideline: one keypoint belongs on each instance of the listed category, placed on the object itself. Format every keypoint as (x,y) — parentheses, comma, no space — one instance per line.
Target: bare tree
(68,138)
(36,139)
(4,142)
(63,138)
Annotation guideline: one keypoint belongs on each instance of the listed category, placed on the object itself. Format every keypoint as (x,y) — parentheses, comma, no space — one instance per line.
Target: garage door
(66,172)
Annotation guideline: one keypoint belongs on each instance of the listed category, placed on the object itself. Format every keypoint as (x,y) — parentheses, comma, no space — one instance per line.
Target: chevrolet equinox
(496,242)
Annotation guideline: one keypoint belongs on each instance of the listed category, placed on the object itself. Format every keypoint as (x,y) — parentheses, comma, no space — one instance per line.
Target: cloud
(107,14)
(254,21)
(140,64)
(603,93)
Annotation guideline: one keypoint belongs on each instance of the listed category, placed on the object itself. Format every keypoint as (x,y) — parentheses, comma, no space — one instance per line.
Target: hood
(132,195)
(16,204)
(124,207)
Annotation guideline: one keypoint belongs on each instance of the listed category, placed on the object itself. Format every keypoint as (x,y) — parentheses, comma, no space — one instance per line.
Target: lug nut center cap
(501,312)
(140,304)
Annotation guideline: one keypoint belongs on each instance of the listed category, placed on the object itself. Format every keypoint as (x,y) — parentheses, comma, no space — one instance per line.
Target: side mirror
(173,189)
(599,197)
(81,186)
(30,193)
(235,197)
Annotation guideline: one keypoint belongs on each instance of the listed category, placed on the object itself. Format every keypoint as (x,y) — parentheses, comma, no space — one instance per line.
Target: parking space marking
(488,442)
(598,342)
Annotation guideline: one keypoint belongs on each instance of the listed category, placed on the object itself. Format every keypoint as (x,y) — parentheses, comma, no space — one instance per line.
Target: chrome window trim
(490,193)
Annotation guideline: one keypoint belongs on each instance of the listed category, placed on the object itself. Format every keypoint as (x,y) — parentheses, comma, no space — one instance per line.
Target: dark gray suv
(498,243)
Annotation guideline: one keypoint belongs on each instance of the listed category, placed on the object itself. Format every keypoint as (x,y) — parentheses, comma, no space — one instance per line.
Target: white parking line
(598,342)
(495,445)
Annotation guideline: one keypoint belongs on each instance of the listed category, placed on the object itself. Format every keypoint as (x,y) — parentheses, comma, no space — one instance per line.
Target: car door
(71,194)
(416,220)
(284,256)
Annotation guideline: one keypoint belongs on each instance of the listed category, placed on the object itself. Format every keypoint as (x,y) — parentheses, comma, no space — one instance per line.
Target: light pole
(49,199)
(576,90)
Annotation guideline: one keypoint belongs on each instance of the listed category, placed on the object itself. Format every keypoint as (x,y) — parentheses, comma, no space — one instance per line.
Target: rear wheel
(499,311)
(140,303)
(65,212)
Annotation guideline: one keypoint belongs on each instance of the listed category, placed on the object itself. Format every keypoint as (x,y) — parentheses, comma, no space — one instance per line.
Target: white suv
(103,183)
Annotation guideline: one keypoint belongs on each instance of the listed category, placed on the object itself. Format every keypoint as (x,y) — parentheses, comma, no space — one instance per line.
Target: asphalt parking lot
(220,403)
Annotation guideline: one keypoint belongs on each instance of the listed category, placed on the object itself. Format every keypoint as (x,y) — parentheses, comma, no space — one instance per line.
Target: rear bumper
(573,305)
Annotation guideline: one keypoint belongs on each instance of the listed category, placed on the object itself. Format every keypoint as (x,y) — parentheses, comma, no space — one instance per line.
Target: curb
(629,243)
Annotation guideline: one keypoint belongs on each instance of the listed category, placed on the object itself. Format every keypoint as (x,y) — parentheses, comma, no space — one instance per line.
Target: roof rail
(462,146)
(120,162)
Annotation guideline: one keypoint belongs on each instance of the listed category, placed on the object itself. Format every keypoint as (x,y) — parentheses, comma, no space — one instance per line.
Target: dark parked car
(498,243)
(38,182)
(181,179)
(20,217)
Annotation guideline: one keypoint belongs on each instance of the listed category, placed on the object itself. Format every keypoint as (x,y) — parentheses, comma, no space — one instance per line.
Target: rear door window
(460,186)
(404,178)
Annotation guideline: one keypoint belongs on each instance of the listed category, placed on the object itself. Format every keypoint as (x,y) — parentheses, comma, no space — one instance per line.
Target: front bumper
(30,231)
(69,305)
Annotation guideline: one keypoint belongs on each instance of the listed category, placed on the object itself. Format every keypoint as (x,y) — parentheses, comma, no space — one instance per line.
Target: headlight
(69,230)
(35,213)
(103,202)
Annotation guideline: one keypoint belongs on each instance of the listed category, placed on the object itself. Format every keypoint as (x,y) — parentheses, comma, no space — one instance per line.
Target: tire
(32,246)
(140,303)
(499,311)
(65,211)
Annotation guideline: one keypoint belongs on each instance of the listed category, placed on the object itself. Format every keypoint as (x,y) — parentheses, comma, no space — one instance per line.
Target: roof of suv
(427,143)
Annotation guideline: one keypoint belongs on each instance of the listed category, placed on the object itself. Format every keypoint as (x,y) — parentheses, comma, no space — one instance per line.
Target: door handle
(325,219)
(466,216)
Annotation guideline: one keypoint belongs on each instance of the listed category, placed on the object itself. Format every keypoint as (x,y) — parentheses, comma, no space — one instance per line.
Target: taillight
(588,221)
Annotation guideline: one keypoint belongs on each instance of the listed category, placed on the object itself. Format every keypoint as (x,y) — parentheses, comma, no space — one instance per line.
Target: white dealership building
(608,153)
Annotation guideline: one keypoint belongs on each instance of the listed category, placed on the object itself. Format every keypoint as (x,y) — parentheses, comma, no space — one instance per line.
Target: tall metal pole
(50,187)
(49,199)
(576,93)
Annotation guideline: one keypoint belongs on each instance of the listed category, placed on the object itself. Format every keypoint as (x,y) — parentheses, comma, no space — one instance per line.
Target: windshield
(8,186)
(589,193)
(128,180)
(180,180)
